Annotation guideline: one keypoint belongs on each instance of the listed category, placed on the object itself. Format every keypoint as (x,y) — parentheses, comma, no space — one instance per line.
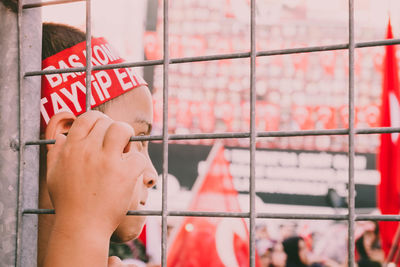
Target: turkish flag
(389,153)
(210,241)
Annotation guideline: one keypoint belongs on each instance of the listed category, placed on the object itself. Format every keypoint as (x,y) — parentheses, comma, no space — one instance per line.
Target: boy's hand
(92,173)
(114,261)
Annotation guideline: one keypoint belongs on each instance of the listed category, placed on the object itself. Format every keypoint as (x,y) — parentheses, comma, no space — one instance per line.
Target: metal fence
(19,150)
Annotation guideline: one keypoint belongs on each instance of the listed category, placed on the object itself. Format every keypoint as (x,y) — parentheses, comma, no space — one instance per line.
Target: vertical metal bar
(88,54)
(20,141)
(252,130)
(29,40)
(351,188)
(164,210)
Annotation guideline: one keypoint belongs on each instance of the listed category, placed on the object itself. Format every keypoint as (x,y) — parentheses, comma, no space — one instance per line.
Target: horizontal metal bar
(303,133)
(260,215)
(378,130)
(326,48)
(38,211)
(213,214)
(94,68)
(378,43)
(220,57)
(131,212)
(158,213)
(311,49)
(159,137)
(145,212)
(210,57)
(209,214)
(45,72)
(384,217)
(49,3)
(134,138)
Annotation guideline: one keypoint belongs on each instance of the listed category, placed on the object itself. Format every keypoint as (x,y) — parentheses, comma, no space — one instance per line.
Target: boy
(93,174)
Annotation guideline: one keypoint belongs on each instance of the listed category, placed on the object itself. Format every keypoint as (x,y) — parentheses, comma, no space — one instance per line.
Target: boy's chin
(129,229)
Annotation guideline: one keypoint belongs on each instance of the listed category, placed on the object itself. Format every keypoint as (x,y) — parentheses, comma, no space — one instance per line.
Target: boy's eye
(143,143)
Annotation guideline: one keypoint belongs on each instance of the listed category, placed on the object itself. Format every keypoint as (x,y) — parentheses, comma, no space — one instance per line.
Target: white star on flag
(394,114)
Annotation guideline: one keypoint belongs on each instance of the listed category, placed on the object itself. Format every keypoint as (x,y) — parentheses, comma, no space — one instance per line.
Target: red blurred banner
(212,242)
(389,154)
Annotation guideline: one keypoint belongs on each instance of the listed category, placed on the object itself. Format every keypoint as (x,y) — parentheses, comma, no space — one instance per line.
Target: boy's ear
(60,123)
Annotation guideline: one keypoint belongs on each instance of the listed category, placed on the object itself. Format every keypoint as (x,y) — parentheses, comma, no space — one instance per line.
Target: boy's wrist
(75,242)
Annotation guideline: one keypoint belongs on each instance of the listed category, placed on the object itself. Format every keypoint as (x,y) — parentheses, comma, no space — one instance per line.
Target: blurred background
(307,91)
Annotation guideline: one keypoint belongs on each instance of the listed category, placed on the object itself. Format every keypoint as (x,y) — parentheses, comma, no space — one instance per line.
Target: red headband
(67,91)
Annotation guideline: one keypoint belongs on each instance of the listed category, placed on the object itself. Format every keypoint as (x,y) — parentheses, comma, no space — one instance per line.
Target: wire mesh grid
(350,217)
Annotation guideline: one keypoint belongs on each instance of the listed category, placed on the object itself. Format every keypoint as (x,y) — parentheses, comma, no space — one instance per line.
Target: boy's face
(135,108)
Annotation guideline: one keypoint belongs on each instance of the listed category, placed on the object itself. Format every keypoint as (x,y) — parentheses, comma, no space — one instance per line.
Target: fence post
(30,43)
(20,50)
(9,135)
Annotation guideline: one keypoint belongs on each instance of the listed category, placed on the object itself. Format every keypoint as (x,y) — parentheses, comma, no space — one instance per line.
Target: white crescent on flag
(394,114)
(224,235)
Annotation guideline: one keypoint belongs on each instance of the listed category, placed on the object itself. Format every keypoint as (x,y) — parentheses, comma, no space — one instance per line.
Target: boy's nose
(150,175)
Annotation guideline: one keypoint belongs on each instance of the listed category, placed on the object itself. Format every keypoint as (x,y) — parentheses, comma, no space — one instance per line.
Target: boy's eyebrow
(149,125)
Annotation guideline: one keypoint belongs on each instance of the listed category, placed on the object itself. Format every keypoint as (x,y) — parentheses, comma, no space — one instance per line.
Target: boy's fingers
(99,130)
(117,137)
(114,261)
(84,124)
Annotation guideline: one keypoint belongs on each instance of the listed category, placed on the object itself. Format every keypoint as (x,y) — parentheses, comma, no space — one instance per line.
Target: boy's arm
(91,175)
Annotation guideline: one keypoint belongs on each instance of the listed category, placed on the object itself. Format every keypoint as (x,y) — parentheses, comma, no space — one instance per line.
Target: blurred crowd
(291,245)
(293,249)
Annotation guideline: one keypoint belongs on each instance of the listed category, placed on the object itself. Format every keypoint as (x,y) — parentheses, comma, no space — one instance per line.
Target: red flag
(389,154)
(151,239)
(212,242)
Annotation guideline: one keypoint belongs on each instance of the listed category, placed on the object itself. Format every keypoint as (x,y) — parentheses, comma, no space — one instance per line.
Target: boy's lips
(144,197)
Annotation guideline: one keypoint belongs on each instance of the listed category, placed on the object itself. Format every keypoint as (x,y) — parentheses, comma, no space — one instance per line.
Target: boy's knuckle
(93,113)
(85,154)
(123,127)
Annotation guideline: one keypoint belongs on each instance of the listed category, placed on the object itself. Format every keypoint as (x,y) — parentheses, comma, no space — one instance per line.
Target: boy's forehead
(134,107)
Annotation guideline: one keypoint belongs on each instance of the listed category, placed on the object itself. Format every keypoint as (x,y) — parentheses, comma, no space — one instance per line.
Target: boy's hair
(57,37)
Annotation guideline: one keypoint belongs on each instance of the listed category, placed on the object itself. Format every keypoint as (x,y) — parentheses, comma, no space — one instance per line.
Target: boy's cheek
(130,228)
